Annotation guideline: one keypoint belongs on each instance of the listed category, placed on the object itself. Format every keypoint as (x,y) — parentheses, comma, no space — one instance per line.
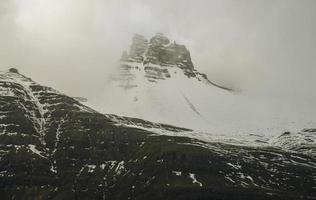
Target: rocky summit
(53,147)
(156,80)
(157,58)
(159,50)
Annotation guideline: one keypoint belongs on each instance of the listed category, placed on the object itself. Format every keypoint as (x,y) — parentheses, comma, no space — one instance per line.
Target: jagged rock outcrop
(303,141)
(159,59)
(138,48)
(13,70)
(53,147)
(162,52)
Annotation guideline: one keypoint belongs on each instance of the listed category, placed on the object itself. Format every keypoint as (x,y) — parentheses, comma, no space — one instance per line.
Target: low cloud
(267,47)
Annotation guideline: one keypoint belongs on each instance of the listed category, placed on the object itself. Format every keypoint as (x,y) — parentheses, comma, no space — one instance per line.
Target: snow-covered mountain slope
(32,116)
(157,81)
(53,147)
(297,142)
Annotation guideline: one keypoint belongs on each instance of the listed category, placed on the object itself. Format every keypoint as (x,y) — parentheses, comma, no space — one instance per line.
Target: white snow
(59,132)
(26,83)
(243,176)
(234,166)
(120,168)
(212,112)
(102,166)
(91,168)
(34,150)
(177,173)
(53,169)
(192,176)
(228,178)
(110,163)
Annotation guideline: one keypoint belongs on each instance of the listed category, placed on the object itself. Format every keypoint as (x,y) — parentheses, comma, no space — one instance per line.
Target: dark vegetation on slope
(52,147)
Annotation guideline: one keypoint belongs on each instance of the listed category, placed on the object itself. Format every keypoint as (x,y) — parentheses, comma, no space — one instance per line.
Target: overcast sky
(267,47)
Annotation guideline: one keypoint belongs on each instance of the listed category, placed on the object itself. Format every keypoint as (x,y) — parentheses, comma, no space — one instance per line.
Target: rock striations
(157,58)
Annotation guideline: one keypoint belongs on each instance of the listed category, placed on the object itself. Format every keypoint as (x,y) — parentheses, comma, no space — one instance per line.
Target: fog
(264,48)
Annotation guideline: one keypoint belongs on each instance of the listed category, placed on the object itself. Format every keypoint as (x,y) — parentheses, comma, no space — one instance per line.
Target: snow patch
(120,168)
(177,173)
(34,150)
(194,180)
(234,166)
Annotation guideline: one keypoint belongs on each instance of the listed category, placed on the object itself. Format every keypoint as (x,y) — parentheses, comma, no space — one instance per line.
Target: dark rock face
(13,70)
(153,73)
(159,53)
(53,147)
(164,53)
(138,47)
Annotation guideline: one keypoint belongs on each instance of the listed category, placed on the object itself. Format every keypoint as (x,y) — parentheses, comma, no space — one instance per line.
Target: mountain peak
(159,39)
(158,50)
(14,70)
(158,59)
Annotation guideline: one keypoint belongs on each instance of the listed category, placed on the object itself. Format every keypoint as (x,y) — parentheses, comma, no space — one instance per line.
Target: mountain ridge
(78,153)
